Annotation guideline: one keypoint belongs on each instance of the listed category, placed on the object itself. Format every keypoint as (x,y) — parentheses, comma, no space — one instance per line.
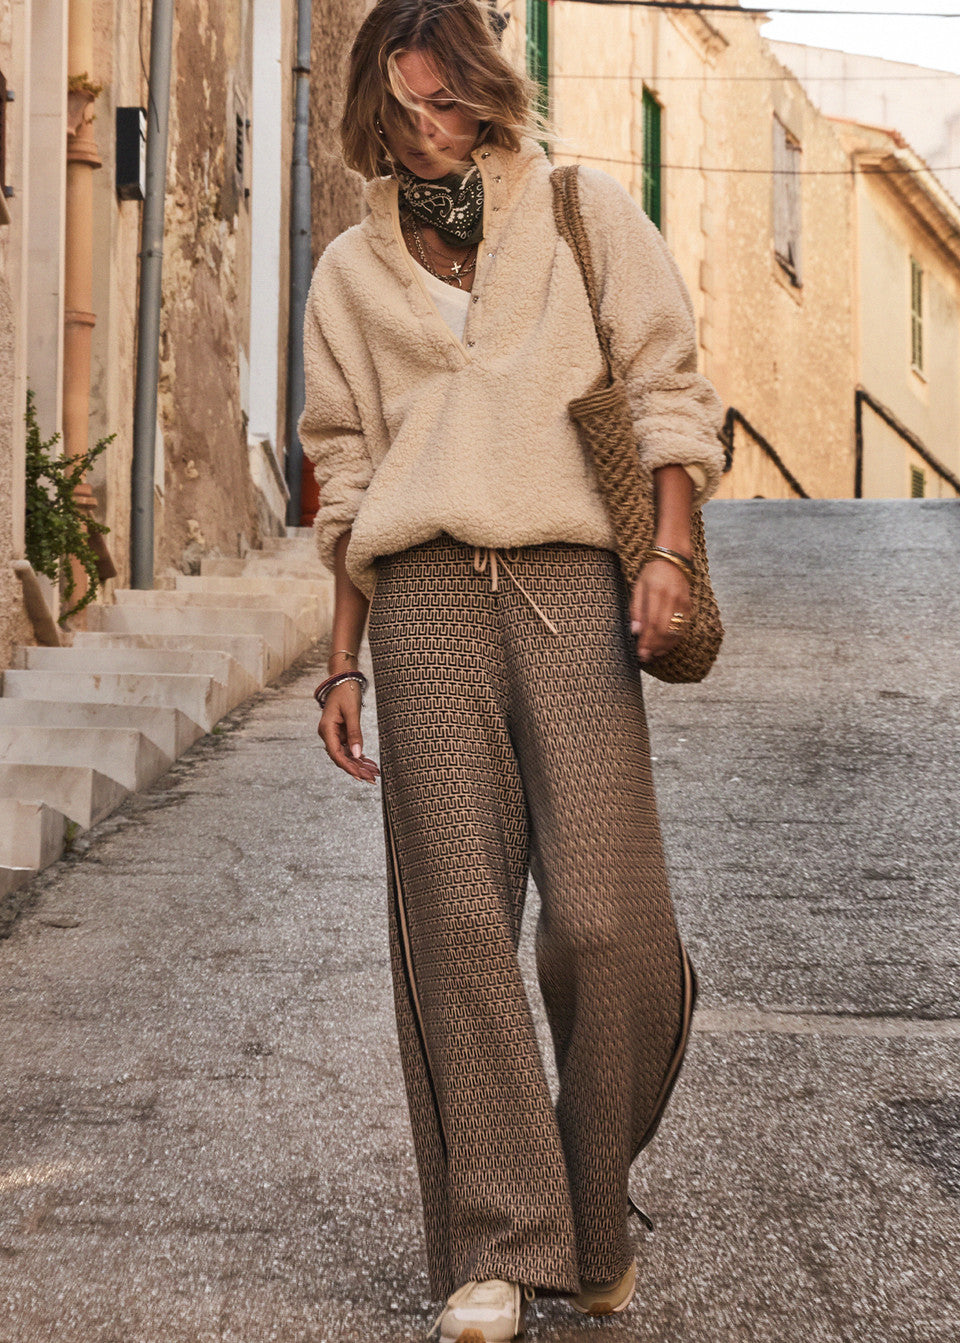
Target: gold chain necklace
(459,268)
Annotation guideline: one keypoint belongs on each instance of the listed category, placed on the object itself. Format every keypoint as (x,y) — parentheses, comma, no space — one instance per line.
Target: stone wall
(14,626)
(337,201)
(782,355)
(208,500)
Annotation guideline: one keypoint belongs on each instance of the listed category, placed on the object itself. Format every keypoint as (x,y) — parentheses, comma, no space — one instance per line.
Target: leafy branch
(57,528)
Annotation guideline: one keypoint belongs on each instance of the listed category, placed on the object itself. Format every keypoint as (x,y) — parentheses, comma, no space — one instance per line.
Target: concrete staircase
(82,727)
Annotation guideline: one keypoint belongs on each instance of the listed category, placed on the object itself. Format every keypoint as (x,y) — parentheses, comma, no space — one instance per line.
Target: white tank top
(453,304)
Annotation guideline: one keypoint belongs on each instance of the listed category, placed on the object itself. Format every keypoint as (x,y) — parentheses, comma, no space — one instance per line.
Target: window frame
(538,51)
(652,165)
(787,203)
(916,316)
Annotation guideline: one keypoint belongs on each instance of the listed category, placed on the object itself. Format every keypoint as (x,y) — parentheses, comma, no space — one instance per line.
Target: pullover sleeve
(331,433)
(647,306)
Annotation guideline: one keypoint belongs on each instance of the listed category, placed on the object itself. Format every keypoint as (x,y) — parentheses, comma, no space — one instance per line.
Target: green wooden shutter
(918,483)
(651,156)
(538,50)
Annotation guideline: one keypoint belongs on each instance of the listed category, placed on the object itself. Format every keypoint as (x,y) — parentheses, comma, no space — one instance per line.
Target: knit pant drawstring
(485,557)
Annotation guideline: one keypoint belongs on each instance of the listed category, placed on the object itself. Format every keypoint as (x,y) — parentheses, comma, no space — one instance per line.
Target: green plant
(57,528)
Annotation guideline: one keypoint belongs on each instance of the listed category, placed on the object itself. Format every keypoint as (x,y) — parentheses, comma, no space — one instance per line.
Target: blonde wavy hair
(462,39)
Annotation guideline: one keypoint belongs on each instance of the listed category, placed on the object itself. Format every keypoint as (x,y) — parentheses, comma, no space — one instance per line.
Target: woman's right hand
(340,732)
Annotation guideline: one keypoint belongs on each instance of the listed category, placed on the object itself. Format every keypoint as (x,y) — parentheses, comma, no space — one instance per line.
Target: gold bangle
(683,564)
(345,651)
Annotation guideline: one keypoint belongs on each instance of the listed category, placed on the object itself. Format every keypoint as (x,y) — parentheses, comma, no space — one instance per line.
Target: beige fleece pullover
(413,432)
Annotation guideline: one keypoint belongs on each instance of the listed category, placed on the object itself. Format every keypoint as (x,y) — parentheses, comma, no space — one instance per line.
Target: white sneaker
(607,1299)
(484,1312)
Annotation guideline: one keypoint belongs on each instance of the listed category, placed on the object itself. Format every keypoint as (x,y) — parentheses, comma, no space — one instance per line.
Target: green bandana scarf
(453,205)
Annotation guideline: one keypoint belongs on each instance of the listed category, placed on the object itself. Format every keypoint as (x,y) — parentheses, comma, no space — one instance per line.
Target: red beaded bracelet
(323,689)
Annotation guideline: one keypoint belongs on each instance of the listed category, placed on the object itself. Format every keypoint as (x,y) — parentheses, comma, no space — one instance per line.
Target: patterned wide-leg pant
(506,747)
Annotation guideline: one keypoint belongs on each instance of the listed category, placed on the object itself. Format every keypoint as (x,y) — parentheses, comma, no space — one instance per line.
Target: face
(447,132)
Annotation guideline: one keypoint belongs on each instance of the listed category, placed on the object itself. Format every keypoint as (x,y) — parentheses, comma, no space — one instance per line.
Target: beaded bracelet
(324,688)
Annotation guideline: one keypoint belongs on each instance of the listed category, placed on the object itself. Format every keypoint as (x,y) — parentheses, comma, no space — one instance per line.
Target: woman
(444,337)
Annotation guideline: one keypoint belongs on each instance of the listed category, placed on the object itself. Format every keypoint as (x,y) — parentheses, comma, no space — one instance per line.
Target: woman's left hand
(661,591)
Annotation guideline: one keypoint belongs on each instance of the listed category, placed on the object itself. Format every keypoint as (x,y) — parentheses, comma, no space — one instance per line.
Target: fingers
(339,730)
(660,593)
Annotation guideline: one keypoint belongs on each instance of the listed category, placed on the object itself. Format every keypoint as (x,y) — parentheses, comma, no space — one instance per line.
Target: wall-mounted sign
(131,153)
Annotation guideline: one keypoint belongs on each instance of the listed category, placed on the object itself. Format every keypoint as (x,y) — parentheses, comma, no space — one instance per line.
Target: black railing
(863,398)
(732,418)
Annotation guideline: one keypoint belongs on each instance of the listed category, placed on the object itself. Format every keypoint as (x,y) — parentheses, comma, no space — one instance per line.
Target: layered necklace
(458,269)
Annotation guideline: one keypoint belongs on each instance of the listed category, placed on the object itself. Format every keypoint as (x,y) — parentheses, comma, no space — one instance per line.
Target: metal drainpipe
(148,315)
(301,262)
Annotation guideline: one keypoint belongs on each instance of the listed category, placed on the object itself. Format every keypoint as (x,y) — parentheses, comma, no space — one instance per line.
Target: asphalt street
(203,1129)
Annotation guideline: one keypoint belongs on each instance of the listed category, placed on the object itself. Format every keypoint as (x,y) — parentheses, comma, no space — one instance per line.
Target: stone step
(275,628)
(13,877)
(237,683)
(200,698)
(231,596)
(303,570)
(82,794)
(250,651)
(226,566)
(306,612)
(31,836)
(171,731)
(122,753)
(266,566)
(297,538)
(252,584)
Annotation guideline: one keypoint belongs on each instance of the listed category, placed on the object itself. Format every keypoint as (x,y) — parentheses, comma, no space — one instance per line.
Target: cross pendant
(457,267)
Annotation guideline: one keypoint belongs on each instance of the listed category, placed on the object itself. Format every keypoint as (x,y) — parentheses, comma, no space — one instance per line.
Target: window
(538,51)
(918,483)
(651,156)
(786,200)
(916,315)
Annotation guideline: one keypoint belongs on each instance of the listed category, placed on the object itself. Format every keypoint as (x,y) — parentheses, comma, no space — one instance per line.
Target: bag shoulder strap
(565,182)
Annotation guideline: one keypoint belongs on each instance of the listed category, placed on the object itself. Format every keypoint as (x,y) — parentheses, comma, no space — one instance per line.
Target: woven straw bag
(606,424)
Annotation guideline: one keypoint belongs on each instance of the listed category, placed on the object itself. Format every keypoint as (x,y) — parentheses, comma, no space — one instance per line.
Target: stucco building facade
(221,415)
(907,340)
(766,203)
(923,105)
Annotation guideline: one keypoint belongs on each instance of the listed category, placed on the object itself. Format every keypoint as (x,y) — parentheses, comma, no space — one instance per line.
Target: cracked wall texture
(337,202)
(208,496)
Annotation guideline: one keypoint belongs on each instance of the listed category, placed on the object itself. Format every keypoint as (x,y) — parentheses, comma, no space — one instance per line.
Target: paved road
(203,1134)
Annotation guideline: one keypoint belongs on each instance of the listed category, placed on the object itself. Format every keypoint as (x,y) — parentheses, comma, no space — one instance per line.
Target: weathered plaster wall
(118,30)
(928,402)
(337,202)
(14,625)
(789,362)
(783,356)
(208,498)
(600,63)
